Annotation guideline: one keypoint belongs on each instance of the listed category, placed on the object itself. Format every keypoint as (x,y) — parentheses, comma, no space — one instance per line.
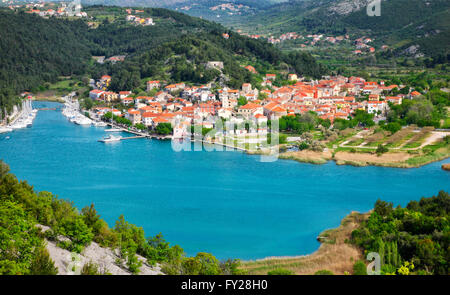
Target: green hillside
(402,23)
(35,50)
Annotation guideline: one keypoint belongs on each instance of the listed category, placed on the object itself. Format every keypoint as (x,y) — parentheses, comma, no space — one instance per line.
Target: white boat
(111,138)
(83,121)
(99,124)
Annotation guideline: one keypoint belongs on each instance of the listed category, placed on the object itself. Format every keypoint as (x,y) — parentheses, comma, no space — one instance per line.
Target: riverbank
(398,159)
(334,254)
(236,200)
(307,156)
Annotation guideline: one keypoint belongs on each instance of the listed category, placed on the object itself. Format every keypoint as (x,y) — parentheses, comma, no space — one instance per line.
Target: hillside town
(181,105)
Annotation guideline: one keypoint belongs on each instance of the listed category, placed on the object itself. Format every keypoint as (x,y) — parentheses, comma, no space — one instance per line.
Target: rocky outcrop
(348,6)
(69,263)
(107,260)
(446,167)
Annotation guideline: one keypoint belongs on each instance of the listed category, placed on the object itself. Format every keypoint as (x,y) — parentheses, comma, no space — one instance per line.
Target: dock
(47,109)
(133,137)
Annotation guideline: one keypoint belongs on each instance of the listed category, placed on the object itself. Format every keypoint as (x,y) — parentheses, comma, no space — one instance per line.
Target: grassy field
(335,253)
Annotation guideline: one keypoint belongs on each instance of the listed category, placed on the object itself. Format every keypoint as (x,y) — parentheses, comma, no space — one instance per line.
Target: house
(127,100)
(109,96)
(246,88)
(134,116)
(251,69)
(106,79)
(147,118)
(374,107)
(273,110)
(293,77)
(148,22)
(374,97)
(153,84)
(123,94)
(271,77)
(250,109)
(224,113)
(159,120)
(394,99)
(95,94)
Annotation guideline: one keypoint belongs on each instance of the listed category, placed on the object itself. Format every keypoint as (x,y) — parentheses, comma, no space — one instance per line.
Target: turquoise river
(226,203)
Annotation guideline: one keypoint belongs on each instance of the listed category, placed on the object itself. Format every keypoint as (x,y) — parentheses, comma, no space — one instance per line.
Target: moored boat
(111,138)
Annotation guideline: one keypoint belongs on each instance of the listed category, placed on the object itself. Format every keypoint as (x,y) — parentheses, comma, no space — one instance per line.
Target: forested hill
(34,50)
(402,22)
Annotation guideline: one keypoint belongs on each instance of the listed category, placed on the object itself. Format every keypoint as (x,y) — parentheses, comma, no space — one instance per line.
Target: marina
(24,119)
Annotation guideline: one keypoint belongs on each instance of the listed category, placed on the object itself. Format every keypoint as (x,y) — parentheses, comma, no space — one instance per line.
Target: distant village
(362,45)
(182,105)
(43,9)
(138,20)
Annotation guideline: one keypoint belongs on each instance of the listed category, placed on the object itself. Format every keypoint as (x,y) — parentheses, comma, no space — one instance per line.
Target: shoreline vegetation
(335,254)
(411,240)
(392,160)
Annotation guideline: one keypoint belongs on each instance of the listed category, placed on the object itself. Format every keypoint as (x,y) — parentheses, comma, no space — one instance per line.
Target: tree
(393,127)
(383,208)
(381,149)
(18,239)
(88,103)
(90,269)
(42,264)
(242,101)
(209,265)
(164,129)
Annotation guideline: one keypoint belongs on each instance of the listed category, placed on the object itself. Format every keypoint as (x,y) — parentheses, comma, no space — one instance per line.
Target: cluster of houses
(142,21)
(229,6)
(148,21)
(182,105)
(44,9)
(363,46)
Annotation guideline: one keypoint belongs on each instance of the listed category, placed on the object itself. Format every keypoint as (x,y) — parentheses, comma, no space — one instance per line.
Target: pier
(133,137)
(48,109)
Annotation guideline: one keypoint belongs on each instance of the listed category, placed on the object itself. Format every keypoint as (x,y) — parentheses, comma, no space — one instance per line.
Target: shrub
(359,268)
(90,269)
(42,264)
(381,149)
